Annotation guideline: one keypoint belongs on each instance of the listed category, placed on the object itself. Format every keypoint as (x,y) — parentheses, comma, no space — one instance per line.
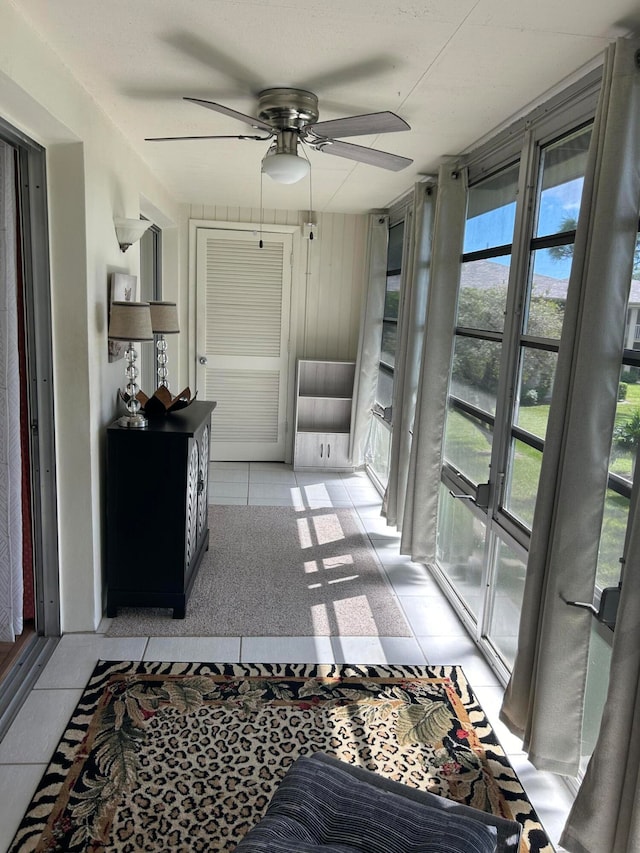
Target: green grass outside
(468,447)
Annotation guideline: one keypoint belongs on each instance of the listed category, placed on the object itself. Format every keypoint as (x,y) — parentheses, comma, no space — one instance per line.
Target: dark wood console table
(157,509)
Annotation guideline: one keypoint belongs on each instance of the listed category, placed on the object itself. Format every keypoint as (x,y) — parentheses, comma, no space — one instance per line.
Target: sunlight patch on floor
(344,609)
(343,580)
(319,617)
(327,529)
(304,533)
(332,563)
(322,530)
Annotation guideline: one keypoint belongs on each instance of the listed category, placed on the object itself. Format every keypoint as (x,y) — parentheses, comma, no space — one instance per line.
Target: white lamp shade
(129,231)
(130,321)
(285,168)
(164,318)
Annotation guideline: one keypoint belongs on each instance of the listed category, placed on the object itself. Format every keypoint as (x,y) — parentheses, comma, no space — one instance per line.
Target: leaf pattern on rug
(426,722)
(117,742)
(187,695)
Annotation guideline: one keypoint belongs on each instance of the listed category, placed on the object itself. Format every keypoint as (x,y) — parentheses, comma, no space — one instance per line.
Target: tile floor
(438,638)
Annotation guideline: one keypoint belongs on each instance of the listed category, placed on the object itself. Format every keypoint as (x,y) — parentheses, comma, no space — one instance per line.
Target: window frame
(521,143)
(385,413)
(535,136)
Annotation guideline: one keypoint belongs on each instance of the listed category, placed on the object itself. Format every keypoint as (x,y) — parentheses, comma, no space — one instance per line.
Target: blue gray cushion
(323,809)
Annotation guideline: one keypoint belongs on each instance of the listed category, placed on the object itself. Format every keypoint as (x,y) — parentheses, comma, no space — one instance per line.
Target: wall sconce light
(131,321)
(164,321)
(129,231)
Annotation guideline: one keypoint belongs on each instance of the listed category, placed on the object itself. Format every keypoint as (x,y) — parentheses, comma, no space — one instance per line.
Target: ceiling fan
(289,116)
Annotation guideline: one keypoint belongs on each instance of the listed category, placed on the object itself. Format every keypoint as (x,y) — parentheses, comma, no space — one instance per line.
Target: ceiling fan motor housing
(287,109)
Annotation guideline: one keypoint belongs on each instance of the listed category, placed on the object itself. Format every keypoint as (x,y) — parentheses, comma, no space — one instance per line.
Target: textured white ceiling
(454,69)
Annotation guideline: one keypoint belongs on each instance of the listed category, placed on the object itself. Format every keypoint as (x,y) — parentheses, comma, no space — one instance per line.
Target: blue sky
(495,227)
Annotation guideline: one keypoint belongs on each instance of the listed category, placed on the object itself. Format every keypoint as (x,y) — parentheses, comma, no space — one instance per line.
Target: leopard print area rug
(186,756)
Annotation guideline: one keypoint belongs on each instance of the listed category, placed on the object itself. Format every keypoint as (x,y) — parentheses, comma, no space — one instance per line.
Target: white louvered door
(242,329)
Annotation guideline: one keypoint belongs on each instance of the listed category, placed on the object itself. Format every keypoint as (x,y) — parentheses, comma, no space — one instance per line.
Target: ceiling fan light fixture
(285,168)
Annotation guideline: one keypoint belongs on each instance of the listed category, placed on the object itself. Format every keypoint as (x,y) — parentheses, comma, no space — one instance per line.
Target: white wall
(92,176)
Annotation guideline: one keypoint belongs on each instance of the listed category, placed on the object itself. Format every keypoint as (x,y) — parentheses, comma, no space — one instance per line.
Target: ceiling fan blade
(359,70)
(371,156)
(172,93)
(210,56)
(220,108)
(175,138)
(364,125)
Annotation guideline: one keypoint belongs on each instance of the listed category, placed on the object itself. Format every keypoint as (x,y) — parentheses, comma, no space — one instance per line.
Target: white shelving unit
(324,395)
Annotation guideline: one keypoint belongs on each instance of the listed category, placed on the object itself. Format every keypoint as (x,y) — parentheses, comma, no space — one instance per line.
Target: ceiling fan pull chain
(261,244)
(304,151)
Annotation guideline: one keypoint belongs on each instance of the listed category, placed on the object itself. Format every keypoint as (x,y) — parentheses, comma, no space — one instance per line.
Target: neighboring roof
(485,274)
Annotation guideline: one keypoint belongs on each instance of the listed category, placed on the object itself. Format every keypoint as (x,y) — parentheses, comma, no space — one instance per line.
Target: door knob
(203,359)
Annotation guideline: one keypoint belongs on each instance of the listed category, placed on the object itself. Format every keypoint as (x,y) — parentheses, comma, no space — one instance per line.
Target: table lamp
(164,321)
(131,321)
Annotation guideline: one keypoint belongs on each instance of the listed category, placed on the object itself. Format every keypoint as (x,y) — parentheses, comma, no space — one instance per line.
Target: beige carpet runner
(280,572)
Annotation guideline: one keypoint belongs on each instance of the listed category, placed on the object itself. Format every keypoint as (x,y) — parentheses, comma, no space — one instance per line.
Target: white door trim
(296,304)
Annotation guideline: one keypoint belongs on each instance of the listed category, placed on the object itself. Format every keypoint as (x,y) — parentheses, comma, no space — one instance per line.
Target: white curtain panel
(605,817)
(368,358)
(415,278)
(11,592)
(420,517)
(549,675)
(606,814)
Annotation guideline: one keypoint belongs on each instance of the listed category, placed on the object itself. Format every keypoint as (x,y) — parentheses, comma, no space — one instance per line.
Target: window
(150,289)
(562,167)
(379,440)
(464,531)
(624,447)
(384,395)
(522,211)
(480,325)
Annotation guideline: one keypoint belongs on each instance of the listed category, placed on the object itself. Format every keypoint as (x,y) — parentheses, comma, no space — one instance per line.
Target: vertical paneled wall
(334,290)
(328,283)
